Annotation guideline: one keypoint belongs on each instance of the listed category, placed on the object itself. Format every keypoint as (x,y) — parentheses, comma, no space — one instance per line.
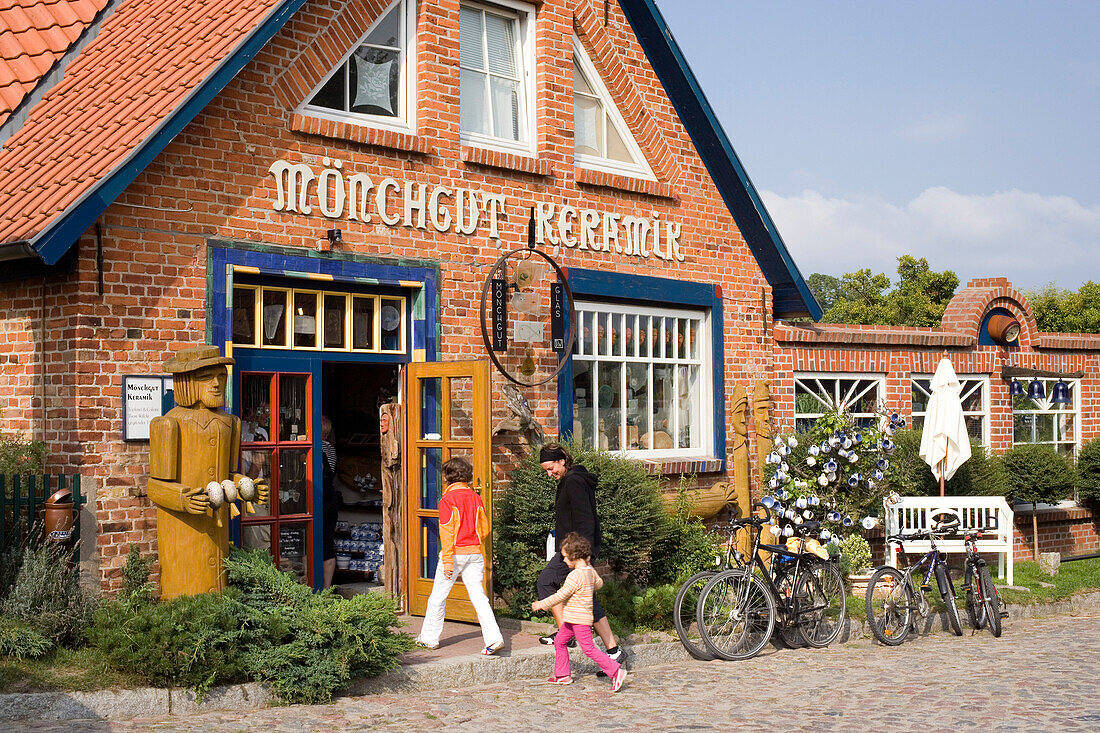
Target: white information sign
(143,399)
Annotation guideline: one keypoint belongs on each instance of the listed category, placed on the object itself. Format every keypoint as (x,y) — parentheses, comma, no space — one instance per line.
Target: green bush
(190,641)
(21,456)
(21,640)
(1088,471)
(617,599)
(855,555)
(982,475)
(686,545)
(632,521)
(313,644)
(1038,474)
(47,596)
(136,588)
(654,609)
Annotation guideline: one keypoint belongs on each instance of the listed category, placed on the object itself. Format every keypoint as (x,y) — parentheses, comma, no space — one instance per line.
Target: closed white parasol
(945,444)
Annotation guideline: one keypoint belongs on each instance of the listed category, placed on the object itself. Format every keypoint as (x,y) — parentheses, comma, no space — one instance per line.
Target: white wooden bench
(914,513)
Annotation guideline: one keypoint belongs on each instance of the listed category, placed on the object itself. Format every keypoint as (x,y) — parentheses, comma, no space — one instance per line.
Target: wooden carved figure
(389,416)
(742,492)
(195,444)
(761,421)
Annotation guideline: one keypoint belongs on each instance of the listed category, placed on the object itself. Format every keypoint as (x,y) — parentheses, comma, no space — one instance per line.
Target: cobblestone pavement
(1041,675)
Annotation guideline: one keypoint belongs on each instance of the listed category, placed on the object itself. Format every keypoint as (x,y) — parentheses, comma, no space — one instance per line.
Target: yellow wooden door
(446,416)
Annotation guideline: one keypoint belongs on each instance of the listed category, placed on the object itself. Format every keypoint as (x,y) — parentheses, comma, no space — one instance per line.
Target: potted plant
(855,562)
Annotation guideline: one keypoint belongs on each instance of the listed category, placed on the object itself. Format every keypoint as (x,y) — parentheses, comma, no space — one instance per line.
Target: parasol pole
(943,469)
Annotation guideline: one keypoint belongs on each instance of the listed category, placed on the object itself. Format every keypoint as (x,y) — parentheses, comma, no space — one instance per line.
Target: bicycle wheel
(736,615)
(785,624)
(820,623)
(890,604)
(991,600)
(687,601)
(947,593)
(975,609)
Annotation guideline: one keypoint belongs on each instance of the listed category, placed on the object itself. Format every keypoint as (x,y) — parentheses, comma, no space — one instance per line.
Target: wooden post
(761,409)
(742,493)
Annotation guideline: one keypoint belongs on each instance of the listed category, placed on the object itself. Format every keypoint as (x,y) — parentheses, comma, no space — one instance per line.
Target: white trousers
(471,568)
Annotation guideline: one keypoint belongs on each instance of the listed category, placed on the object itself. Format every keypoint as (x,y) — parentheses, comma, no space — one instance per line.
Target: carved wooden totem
(389,422)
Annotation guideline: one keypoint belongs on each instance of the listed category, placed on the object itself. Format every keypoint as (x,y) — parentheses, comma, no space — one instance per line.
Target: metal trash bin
(59,516)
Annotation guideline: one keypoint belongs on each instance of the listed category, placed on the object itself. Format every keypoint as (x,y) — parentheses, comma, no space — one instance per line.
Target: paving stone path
(1040,675)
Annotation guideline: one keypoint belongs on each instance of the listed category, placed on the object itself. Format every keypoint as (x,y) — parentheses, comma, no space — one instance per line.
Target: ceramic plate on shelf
(391,319)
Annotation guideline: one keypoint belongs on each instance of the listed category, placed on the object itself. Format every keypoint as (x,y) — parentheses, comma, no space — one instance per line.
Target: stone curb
(644,650)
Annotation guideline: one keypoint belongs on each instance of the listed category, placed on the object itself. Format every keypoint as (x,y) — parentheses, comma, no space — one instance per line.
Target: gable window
(641,380)
(815,394)
(975,404)
(495,58)
(375,81)
(601,139)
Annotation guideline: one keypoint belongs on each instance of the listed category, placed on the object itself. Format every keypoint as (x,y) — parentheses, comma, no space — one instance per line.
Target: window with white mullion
(1047,422)
(974,396)
(859,395)
(493,74)
(639,380)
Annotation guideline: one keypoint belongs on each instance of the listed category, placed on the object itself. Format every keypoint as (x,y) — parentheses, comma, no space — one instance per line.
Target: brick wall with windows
(65,347)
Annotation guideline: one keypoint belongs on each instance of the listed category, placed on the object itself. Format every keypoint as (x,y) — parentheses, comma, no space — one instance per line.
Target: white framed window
(601,138)
(859,395)
(375,83)
(1050,423)
(496,62)
(642,380)
(975,403)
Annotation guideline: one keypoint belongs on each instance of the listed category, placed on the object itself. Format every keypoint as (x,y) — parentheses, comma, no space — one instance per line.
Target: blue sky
(962,132)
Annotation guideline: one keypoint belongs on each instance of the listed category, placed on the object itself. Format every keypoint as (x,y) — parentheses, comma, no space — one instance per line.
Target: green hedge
(1088,472)
(982,475)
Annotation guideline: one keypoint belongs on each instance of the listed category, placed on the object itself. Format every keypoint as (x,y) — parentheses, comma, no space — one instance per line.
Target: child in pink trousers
(576,593)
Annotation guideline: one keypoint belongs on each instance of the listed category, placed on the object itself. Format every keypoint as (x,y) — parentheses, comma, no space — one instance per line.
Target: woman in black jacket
(574,511)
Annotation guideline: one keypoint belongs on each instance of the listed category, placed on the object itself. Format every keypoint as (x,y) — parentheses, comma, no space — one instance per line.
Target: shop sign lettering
(337,194)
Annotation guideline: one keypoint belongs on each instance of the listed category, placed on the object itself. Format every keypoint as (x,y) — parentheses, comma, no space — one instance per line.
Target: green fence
(22,500)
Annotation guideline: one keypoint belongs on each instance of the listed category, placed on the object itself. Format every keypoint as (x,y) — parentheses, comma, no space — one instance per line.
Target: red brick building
(322,189)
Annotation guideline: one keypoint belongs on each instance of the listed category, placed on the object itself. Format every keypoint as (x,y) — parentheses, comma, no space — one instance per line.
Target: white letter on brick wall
(544,229)
(494,206)
(331,177)
(441,224)
(637,231)
(611,232)
(590,219)
(470,226)
(359,186)
(380,201)
(415,203)
(292,197)
(672,236)
(565,228)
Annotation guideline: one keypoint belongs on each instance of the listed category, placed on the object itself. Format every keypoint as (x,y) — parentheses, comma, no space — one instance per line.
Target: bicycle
(687,597)
(892,600)
(983,604)
(738,608)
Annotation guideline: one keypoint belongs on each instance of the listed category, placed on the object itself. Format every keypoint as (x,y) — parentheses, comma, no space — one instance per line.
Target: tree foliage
(918,298)
(1038,474)
(1058,309)
(1088,471)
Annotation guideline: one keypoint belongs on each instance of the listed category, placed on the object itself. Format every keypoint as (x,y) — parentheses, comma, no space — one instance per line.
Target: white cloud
(936,127)
(1029,238)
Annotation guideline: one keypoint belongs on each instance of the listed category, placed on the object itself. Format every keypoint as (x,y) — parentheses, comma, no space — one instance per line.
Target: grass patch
(65,670)
(857,607)
(1072,577)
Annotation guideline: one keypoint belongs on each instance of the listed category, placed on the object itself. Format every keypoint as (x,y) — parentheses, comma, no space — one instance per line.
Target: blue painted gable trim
(791,295)
(594,284)
(58,238)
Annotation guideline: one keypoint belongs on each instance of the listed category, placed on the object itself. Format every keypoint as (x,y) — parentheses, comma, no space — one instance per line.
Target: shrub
(1038,474)
(855,554)
(632,519)
(685,547)
(982,475)
(22,641)
(654,609)
(617,599)
(47,596)
(313,643)
(21,456)
(190,641)
(136,588)
(1088,471)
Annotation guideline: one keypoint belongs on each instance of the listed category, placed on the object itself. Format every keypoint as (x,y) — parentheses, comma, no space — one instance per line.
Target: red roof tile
(33,35)
(113,96)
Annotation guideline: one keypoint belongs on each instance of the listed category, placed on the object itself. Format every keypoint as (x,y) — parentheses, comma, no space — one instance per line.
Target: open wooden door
(446,416)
